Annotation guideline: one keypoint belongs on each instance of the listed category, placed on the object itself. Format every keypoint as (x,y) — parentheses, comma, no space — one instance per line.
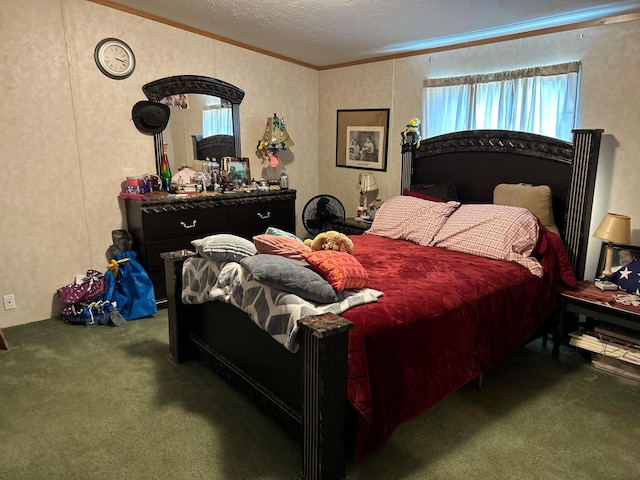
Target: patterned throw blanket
(274,311)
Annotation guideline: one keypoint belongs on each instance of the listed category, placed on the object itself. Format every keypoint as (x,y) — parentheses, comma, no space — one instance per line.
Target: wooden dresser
(170,224)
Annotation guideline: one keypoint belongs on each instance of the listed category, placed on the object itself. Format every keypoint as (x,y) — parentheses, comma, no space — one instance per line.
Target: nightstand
(350,226)
(596,304)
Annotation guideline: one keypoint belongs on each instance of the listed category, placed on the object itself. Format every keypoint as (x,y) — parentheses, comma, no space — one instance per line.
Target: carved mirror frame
(164,87)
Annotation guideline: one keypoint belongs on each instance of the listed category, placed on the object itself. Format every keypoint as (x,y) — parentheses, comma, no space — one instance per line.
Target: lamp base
(606,285)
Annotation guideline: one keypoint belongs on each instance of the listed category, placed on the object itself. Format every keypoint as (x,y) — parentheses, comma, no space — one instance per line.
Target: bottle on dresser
(165,169)
(284,180)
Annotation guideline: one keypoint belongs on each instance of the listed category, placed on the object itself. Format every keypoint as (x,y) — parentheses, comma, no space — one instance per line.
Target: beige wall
(67,140)
(610,57)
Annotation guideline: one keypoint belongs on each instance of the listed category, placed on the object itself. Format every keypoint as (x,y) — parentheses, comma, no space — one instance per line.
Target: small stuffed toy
(413,132)
(330,240)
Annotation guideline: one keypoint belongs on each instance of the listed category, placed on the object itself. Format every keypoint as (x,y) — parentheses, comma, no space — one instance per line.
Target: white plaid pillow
(410,218)
(492,231)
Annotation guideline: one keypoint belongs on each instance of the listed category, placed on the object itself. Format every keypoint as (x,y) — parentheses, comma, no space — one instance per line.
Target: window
(542,100)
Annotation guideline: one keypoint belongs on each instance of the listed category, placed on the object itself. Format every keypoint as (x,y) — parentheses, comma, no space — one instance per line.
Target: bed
(356,376)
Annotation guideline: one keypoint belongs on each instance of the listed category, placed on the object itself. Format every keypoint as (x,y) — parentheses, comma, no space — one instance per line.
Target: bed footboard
(316,413)
(178,332)
(324,396)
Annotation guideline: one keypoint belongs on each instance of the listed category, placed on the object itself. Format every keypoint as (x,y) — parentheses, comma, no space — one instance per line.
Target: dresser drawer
(253,219)
(193,223)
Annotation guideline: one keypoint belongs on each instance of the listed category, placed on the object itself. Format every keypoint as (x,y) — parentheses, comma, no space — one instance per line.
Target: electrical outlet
(9,302)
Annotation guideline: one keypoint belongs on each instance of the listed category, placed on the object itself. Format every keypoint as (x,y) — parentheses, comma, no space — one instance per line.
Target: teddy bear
(330,240)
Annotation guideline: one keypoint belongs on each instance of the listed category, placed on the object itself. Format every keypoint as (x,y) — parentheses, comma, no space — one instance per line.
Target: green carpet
(108,403)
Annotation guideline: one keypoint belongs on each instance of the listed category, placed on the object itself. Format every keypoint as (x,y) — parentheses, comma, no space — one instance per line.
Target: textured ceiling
(325,33)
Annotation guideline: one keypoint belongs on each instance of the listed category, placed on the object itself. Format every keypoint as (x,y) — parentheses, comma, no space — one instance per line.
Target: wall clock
(114,58)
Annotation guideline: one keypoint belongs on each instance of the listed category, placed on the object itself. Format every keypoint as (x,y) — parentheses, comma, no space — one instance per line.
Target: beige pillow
(536,199)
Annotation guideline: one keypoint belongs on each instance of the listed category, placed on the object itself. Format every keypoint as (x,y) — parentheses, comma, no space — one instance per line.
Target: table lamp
(366,183)
(275,138)
(614,228)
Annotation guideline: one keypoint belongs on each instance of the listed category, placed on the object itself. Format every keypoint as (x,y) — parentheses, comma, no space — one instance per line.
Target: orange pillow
(278,245)
(341,269)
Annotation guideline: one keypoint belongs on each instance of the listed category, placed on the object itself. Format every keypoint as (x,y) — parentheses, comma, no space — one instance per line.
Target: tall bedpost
(178,333)
(324,340)
(586,149)
(408,150)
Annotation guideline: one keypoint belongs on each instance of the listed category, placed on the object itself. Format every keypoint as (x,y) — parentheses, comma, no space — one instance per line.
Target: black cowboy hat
(150,117)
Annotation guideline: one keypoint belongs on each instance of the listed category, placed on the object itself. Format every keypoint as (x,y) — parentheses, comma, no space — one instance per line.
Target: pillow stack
(284,262)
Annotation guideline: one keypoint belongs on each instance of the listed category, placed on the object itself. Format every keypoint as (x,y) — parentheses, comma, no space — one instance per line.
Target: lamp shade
(366,183)
(275,135)
(614,228)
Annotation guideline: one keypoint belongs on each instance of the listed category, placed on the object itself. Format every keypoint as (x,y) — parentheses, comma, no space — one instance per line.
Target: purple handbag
(87,290)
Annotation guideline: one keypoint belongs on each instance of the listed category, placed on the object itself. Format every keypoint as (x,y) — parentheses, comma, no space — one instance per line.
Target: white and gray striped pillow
(224,247)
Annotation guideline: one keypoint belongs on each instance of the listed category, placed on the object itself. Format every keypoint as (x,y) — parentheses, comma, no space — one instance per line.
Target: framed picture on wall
(362,139)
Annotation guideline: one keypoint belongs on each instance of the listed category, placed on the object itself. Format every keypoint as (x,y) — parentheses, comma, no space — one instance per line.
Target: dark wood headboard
(217,146)
(475,161)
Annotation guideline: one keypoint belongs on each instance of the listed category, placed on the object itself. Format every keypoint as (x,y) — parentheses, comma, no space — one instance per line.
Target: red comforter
(445,318)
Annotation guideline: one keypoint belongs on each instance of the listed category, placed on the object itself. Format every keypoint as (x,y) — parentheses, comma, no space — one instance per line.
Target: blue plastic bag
(128,285)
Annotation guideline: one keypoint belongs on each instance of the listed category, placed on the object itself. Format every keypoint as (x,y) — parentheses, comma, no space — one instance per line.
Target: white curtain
(217,120)
(541,100)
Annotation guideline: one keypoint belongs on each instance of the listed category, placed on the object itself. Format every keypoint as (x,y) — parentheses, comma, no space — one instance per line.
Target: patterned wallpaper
(67,140)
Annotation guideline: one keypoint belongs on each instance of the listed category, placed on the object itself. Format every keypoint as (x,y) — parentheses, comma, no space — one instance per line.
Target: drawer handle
(184,225)
(264,217)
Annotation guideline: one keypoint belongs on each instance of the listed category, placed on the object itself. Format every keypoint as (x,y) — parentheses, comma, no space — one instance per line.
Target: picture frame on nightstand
(622,255)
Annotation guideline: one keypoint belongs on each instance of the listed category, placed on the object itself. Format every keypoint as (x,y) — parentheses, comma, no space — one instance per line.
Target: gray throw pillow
(291,276)
(224,247)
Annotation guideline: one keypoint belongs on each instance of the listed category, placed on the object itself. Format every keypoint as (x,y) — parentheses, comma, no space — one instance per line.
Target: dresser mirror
(195,130)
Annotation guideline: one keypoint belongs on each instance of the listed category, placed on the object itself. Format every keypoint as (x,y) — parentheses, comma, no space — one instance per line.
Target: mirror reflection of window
(194,115)
(217,119)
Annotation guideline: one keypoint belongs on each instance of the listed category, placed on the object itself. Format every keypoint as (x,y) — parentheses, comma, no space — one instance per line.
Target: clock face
(115,58)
